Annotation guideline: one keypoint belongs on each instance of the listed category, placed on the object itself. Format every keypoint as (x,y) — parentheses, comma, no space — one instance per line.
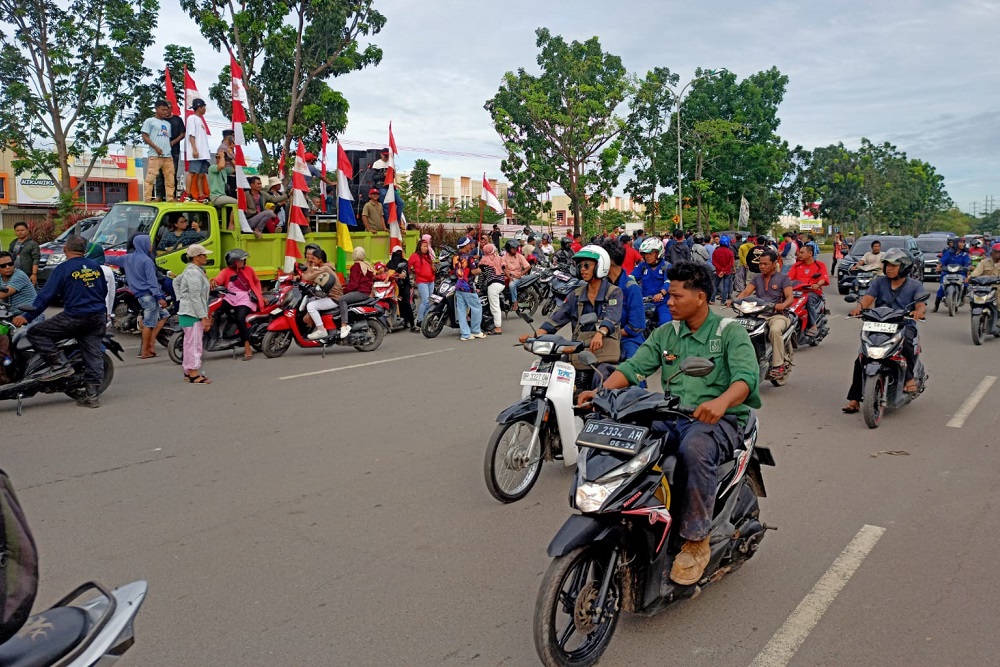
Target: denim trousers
(468,301)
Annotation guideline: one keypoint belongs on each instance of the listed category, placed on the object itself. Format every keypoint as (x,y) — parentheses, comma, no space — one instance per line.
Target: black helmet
(511,246)
(234,255)
(566,243)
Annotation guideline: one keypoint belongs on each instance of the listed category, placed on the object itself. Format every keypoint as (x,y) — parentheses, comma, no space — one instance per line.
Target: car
(845,272)
(932,246)
(52,254)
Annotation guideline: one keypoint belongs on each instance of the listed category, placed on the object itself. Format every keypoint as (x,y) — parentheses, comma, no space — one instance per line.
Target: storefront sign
(36,189)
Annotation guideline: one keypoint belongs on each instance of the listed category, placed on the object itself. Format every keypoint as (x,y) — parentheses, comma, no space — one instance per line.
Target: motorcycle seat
(527,280)
(45,638)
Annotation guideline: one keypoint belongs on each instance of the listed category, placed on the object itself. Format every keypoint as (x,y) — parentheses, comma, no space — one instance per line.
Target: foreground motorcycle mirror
(850,298)
(589,318)
(527,320)
(697,367)
(588,358)
(923,297)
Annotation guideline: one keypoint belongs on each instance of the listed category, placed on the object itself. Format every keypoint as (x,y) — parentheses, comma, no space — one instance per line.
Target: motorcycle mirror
(527,320)
(850,298)
(923,297)
(587,357)
(589,318)
(697,367)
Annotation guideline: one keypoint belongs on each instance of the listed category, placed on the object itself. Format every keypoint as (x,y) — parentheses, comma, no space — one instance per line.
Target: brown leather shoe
(690,563)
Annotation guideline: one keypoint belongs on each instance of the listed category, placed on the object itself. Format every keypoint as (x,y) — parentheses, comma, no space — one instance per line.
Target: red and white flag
(175,108)
(190,95)
(491,198)
(298,210)
(395,236)
(322,180)
(239,159)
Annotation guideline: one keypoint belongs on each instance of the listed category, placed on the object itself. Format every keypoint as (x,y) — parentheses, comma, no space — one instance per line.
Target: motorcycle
(441,310)
(882,361)
(953,282)
(984,308)
(802,326)
(127,313)
(23,364)
(861,282)
(615,556)
(290,321)
(543,425)
(562,282)
(387,296)
(95,632)
(752,316)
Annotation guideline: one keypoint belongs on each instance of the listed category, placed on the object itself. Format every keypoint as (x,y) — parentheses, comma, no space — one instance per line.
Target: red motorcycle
(291,321)
(803,324)
(224,335)
(386,294)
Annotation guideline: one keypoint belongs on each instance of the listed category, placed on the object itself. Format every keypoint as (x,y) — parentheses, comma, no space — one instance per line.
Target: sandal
(247,357)
(197,379)
(911,387)
(145,356)
(851,408)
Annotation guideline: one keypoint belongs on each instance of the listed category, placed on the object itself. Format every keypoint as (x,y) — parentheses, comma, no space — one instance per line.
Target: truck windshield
(122,221)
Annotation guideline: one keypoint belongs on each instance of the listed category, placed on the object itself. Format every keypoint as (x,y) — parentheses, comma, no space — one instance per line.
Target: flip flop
(145,356)
(198,379)
(850,409)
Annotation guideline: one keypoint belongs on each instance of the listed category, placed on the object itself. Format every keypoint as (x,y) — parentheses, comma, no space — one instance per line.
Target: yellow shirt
(744,250)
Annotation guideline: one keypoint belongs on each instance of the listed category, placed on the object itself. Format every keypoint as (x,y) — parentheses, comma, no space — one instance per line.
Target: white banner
(32,189)
(744,212)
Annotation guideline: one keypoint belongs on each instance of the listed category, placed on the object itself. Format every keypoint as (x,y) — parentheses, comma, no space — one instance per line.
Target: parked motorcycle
(984,308)
(953,282)
(802,326)
(562,282)
(752,316)
(883,363)
(386,295)
(23,364)
(615,556)
(291,322)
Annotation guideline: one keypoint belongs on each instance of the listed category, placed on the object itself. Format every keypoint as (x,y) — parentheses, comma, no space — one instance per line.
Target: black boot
(937,304)
(90,399)
(57,368)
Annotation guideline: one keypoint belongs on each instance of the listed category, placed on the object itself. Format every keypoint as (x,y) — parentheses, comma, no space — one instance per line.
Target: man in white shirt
(198,153)
(872,261)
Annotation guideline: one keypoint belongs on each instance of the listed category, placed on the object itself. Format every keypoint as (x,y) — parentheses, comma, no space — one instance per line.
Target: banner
(744,212)
(35,189)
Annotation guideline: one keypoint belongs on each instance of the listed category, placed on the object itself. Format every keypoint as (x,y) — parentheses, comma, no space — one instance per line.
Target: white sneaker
(345,330)
(318,334)
(479,335)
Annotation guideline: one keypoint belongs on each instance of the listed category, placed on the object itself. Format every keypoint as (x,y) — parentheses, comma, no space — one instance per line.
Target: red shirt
(808,274)
(632,257)
(577,247)
(723,260)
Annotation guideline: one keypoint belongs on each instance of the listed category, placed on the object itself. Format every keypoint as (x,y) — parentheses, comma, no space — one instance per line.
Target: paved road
(341,518)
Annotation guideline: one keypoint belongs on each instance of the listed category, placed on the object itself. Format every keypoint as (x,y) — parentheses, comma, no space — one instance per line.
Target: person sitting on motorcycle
(144,282)
(16,290)
(811,277)
(564,256)
(324,275)
(244,294)
(990,267)
(872,261)
(633,320)
(772,286)
(955,253)
(516,267)
(358,288)
(399,265)
(976,248)
(597,295)
(893,290)
(651,275)
(722,400)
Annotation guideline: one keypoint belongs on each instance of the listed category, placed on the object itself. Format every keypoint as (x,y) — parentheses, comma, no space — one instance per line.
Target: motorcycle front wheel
(528,301)
(951,298)
(566,632)
(872,403)
(507,469)
(980,327)
(432,325)
(549,306)
(276,343)
(376,332)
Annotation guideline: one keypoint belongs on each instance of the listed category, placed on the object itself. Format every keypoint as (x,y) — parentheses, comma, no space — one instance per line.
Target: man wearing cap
(371,214)
(156,135)
(381,166)
(198,153)
(274,185)
(192,289)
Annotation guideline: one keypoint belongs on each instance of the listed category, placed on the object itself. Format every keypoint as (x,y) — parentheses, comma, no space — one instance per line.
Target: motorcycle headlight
(542,347)
(590,496)
(882,351)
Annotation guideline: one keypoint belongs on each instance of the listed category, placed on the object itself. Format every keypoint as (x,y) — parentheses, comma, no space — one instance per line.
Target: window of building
(3,188)
(560,216)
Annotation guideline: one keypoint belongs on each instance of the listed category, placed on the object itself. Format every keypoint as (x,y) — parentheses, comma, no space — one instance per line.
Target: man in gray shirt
(156,135)
(773,287)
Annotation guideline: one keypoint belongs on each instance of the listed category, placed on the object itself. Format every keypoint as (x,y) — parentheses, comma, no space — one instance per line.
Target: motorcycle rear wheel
(508,478)
(528,301)
(175,348)
(872,403)
(109,375)
(548,306)
(276,343)
(432,325)
(564,608)
(375,336)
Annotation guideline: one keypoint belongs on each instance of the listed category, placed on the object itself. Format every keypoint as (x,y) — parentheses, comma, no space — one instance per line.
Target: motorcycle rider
(633,320)
(990,267)
(81,285)
(811,277)
(564,256)
(955,253)
(516,266)
(143,281)
(772,286)
(872,261)
(723,400)
(651,275)
(893,290)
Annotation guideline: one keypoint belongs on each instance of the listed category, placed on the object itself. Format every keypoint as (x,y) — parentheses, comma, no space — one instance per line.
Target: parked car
(52,254)
(932,246)
(846,274)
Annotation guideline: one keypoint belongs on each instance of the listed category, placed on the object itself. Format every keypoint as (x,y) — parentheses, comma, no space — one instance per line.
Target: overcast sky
(922,74)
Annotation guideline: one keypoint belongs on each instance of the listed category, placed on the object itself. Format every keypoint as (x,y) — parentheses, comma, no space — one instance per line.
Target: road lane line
(790,636)
(958,419)
(369,363)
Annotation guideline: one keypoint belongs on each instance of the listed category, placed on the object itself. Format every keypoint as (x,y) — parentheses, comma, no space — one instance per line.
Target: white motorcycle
(543,425)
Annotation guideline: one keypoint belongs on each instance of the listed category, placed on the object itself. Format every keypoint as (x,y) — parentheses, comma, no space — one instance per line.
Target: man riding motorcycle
(652,276)
(772,286)
(893,290)
(723,400)
(955,253)
(990,267)
(564,256)
(810,276)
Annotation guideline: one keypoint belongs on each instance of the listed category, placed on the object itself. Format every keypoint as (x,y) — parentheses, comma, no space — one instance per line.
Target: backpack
(18,563)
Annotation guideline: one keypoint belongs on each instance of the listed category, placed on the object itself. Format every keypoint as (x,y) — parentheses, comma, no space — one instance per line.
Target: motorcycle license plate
(436,298)
(748,322)
(880,327)
(534,379)
(612,435)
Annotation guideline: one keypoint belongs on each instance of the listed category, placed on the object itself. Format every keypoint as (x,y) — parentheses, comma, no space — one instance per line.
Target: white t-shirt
(109,300)
(196,128)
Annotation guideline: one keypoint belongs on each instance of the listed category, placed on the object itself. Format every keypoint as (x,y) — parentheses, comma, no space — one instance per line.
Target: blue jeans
(723,287)
(385,206)
(425,290)
(468,301)
(513,289)
(151,311)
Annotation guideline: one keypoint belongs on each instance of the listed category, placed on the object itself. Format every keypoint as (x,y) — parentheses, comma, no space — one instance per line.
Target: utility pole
(975,206)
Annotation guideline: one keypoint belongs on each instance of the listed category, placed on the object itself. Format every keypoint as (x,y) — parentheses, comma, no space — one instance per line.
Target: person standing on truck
(258,216)
(371,214)
(156,135)
(198,153)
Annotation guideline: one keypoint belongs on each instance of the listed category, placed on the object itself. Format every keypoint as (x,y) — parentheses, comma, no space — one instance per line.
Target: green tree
(420,184)
(175,58)
(560,127)
(67,75)
(287,50)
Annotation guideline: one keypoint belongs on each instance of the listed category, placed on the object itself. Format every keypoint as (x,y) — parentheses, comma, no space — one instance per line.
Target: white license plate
(533,379)
(880,327)
(436,298)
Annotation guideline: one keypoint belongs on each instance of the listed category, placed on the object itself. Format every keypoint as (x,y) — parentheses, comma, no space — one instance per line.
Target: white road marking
(791,635)
(971,402)
(369,363)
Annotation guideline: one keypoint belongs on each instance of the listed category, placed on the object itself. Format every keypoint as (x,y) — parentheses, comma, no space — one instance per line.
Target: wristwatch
(602,330)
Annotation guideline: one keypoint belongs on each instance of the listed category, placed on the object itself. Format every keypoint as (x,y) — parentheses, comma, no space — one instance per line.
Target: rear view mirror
(587,357)
(525,316)
(850,298)
(697,367)
(589,318)
(923,297)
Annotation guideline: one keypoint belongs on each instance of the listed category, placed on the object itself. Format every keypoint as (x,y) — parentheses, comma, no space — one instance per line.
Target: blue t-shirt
(900,299)
(81,284)
(159,133)
(23,297)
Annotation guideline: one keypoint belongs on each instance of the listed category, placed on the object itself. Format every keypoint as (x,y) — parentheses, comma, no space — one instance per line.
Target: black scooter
(616,555)
(983,300)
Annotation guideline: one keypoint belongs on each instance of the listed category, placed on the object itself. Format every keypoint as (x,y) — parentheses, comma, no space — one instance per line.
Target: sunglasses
(8,264)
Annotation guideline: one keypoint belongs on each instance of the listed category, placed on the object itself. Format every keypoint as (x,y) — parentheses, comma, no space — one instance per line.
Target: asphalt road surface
(340,517)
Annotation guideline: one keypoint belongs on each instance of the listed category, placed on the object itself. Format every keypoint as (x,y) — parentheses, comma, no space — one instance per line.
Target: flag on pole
(491,198)
(297,210)
(239,91)
(345,210)
(395,236)
(239,116)
(175,109)
(190,94)
(322,180)
(744,212)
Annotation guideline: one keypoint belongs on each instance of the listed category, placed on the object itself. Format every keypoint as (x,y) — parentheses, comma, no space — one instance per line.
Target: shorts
(151,311)
(197,166)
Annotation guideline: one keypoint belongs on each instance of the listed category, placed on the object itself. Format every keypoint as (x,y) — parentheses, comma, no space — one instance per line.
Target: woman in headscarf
(494,277)
(358,288)
(422,264)
(398,264)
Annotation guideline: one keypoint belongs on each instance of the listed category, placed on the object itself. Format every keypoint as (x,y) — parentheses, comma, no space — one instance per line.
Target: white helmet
(652,244)
(597,254)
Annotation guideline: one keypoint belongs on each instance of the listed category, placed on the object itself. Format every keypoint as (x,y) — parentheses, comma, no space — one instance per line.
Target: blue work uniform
(653,280)
(950,256)
(633,315)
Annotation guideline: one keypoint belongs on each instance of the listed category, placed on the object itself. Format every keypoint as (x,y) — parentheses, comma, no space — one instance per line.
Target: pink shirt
(239,295)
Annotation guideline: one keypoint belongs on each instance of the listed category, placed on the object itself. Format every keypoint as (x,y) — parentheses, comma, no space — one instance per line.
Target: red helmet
(995,247)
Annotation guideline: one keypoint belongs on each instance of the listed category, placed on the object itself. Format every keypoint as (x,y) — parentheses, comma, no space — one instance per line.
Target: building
(561,212)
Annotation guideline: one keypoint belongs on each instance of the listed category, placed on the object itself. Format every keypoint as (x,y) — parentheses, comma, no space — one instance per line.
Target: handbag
(610,352)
